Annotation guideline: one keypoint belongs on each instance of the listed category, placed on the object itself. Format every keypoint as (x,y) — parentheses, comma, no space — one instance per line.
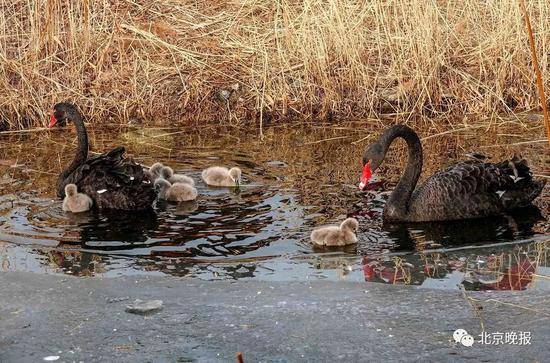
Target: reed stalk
(538,74)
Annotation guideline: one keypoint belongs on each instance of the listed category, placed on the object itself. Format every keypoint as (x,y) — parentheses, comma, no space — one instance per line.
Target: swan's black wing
(106,160)
(474,189)
(112,182)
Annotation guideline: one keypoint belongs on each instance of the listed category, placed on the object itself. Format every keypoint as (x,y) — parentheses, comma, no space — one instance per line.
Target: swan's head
(235,175)
(70,190)
(156,168)
(161,186)
(166,172)
(372,158)
(374,155)
(351,224)
(63,112)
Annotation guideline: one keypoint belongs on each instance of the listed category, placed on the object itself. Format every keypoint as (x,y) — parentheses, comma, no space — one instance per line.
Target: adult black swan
(465,190)
(112,181)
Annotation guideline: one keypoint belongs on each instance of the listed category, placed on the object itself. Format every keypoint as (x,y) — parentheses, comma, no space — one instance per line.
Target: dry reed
(236,61)
(540,85)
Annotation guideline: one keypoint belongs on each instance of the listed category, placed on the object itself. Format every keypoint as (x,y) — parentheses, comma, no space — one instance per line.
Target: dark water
(294,179)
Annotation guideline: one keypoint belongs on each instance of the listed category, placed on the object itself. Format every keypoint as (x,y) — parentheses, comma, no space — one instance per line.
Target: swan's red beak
(365,176)
(53,121)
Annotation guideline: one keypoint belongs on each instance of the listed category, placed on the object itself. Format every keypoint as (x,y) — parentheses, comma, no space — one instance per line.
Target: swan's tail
(519,198)
(522,189)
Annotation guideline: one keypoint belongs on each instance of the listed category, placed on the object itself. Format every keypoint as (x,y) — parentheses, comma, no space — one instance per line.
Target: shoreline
(83,319)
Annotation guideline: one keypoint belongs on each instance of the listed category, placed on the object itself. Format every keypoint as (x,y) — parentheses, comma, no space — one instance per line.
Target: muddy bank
(83,319)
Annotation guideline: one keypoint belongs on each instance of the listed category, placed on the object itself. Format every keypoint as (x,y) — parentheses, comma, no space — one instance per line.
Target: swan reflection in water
(456,257)
(186,239)
(175,237)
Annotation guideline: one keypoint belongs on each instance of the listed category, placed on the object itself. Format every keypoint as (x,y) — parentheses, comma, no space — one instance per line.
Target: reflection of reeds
(290,59)
(434,264)
(508,270)
(512,270)
(402,272)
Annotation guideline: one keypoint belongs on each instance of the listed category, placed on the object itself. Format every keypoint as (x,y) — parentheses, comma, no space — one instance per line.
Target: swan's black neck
(397,206)
(82,150)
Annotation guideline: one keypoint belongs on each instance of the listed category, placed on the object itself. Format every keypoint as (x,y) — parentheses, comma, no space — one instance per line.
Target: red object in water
(365,176)
(53,121)
(369,267)
(517,277)
(369,272)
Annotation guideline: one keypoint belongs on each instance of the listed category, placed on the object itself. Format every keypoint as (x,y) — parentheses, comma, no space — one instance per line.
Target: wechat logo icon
(461,336)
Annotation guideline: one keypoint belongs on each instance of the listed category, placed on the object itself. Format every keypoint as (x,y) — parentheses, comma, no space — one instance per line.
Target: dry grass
(241,60)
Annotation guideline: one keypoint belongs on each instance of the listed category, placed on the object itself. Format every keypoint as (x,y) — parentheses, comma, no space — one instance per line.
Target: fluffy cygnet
(168,174)
(154,171)
(156,168)
(220,176)
(336,235)
(75,202)
(177,192)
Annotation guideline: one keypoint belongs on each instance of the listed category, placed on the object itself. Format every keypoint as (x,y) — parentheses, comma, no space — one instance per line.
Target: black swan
(465,190)
(112,181)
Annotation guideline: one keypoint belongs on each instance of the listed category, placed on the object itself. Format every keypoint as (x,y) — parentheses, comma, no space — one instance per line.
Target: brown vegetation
(236,61)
